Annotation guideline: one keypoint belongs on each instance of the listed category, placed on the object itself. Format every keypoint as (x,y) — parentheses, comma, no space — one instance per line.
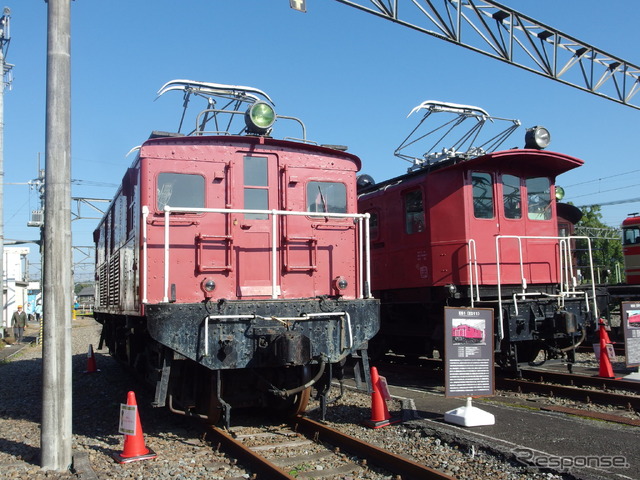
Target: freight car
(232,267)
(475,226)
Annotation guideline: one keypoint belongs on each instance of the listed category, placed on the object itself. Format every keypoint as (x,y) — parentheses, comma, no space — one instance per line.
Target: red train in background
(232,267)
(473,226)
(631,248)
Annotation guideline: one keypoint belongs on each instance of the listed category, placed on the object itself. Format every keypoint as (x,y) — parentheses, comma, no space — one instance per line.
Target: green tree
(606,246)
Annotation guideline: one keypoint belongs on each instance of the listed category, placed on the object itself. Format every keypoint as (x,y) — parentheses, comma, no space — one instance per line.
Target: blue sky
(350,76)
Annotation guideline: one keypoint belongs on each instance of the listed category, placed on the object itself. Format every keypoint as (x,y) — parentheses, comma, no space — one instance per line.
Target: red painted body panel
(466,331)
(230,248)
(631,249)
(437,255)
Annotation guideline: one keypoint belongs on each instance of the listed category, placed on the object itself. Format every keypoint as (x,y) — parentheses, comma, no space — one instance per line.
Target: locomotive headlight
(259,118)
(559,193)
(340,283)
(208,286)
(452,289)
(537,137)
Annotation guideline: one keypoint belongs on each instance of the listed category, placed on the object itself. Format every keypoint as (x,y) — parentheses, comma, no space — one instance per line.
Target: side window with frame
(511,196)
(256,186)
(539,198)
(413,212)
(374,225)
(329,197)
(482,195)
(180,190)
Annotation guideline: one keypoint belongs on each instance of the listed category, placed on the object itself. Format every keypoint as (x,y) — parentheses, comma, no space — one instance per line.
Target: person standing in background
(19,321)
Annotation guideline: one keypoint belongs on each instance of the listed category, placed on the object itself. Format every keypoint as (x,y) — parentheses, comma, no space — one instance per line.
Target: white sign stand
(469,416)
(635,376)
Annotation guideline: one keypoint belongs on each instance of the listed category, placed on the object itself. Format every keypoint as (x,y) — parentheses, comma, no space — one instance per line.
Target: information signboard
(631,327)
(468,352)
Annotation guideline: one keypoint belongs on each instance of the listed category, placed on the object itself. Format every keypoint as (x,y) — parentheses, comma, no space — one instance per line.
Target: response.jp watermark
(530,457)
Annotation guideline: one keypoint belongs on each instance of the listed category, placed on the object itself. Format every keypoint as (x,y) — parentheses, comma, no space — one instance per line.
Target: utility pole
(56,436)
(5,37)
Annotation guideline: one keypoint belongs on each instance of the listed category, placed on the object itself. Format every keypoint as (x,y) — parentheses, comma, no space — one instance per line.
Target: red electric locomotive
(631,248)
(475,227)
(232,268)
(466,334)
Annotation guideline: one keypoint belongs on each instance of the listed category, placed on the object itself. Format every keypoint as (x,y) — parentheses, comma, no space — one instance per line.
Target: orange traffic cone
(134,447)
(91,361)
(606,370)
(603,331)
(380,416)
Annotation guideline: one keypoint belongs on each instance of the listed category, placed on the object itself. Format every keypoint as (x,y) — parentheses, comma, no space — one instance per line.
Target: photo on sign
(633,318)
(465,331)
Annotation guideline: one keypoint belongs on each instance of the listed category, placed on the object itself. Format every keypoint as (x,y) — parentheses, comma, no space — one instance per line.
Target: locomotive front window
(329,197)
(631,236)
(413,212)
(256,187)
(180,190)
(511,196)
(539,198)
(482,195)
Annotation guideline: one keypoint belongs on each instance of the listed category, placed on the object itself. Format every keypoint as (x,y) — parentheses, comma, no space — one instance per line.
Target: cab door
(255,187)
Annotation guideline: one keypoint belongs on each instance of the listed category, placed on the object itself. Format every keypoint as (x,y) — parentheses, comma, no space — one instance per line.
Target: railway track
(308,449)
(582,388)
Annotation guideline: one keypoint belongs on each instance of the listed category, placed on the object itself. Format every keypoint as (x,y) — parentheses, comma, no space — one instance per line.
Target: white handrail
(303,317)
(363,247)
(473,272)
(145,214)
(562,241)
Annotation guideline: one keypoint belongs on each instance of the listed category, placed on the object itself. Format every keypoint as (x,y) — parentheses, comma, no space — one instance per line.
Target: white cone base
(469,416)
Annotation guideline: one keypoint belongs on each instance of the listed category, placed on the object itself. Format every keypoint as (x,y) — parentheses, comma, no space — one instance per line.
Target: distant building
(87,296)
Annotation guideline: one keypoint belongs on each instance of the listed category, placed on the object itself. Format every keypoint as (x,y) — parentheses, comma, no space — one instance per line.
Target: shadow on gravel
(96,401)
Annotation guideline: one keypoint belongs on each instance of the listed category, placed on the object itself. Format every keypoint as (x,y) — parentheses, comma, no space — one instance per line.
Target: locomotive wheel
(528,352)
(296,403)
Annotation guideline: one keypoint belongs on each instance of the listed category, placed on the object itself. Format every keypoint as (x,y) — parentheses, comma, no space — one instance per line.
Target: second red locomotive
(476,227)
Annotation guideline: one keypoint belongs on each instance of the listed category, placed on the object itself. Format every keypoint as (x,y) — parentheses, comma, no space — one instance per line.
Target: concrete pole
(5,37)
(56,433)
(5,314)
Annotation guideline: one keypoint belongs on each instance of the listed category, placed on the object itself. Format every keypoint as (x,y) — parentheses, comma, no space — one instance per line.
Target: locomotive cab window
(511,196)
(180,190)
(329,197)
(256,187)
(482,195)
(631,236)
(413,212)
(539,198)
(374,223)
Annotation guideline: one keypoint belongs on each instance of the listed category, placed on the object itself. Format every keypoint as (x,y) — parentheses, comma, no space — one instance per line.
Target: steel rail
(396,464)
(575,393)
(260,465)
(578,380)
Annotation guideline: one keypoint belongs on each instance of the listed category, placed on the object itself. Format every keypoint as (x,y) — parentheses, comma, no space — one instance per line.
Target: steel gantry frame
(497,31)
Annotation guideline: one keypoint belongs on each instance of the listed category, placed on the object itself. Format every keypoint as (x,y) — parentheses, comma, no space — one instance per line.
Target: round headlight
(208,285)
(559,193)
(537,137)
(259,118)
(340,283)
